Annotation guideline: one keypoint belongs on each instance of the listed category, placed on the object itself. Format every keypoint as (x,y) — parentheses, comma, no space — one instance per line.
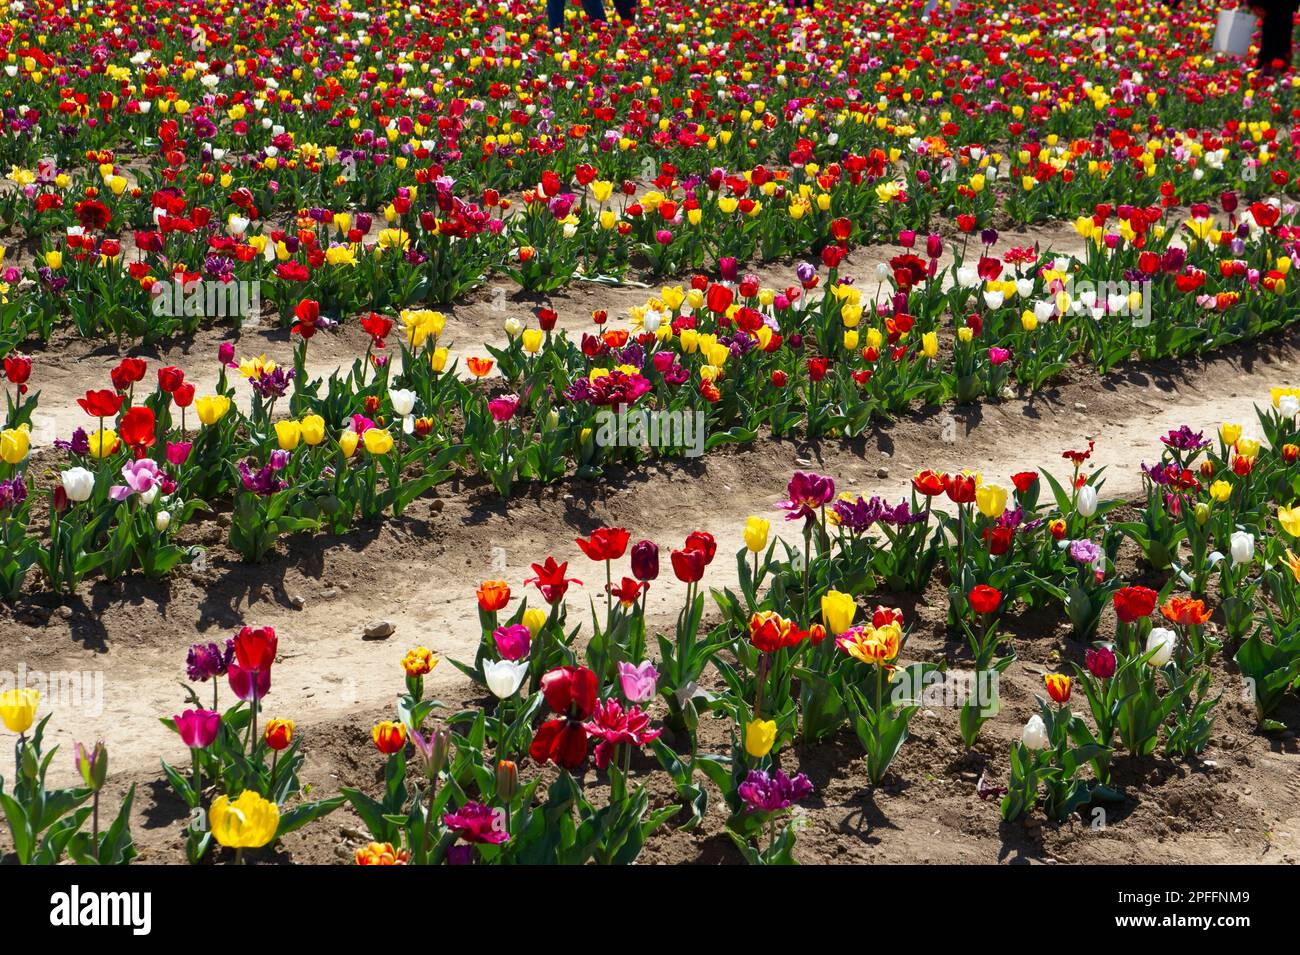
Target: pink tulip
(638,681)
(198,728)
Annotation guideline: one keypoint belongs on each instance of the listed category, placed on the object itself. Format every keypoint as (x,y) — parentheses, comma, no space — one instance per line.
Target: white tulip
(651,321)
(1164,641)
(1242,547)
(503,677)
(403,401)
(513,327)
(1034,735)
(993,300)
(162,520)
(1086,501)
(78,484)
(237,226)
(147,497)
(1288,406)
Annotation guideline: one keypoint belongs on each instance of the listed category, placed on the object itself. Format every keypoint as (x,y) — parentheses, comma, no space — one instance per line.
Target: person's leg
(595,9)
(1270,35)
(555,13)
(626,9)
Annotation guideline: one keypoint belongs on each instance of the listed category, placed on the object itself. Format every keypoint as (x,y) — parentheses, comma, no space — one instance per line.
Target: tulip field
(750,434)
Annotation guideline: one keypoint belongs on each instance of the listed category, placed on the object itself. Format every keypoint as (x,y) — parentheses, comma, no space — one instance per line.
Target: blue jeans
(595,10)
(555,11)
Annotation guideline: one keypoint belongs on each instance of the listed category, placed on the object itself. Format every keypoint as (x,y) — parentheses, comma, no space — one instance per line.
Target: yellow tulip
(760,735)
(1247,447)
(1229,433)
(534,619)
(18,709)
(15,443)
(103,443)
(837,611)
(288,433)
(348,442)
(438,359)
(312,428)
(1289,518)
(378,441)
(991,499)
(532,339)
(929,344)
(1220,491)
(249,822)
(211,408)
(756,530)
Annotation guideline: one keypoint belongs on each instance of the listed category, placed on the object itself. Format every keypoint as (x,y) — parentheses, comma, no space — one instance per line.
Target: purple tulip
(645,560)
(774,791)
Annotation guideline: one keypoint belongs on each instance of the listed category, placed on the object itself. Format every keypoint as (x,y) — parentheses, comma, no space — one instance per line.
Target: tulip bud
(92,765)
(1163,641)
(1034,735)
(162,520)
(1086,501)
(507,780)
(1242,547)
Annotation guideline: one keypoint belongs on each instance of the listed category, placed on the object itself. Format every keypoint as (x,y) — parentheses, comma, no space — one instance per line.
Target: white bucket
(1234,30)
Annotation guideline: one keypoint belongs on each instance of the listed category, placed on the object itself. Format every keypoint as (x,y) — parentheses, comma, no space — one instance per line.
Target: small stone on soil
(380,629)
(297,601)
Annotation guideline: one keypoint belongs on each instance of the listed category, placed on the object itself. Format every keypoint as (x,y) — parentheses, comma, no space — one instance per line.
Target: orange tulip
(1058,686)
(1185,611)
(493,595)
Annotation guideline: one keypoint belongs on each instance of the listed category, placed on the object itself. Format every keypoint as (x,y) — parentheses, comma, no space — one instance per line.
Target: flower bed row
(701,364)
(810,642)
(376,176)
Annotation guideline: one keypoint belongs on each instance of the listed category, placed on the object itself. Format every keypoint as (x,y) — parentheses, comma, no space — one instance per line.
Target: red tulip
(605,543)
(1134,603)
(101,404)
(136,429)
(18,368)
(960,488)
(1024,480)
(704,542)
(550,580)
(183,395)
(127,373)
(170,378)
(570,691)
(688,565)
(984,599)
(255,648)
(562,742)
(719,299)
